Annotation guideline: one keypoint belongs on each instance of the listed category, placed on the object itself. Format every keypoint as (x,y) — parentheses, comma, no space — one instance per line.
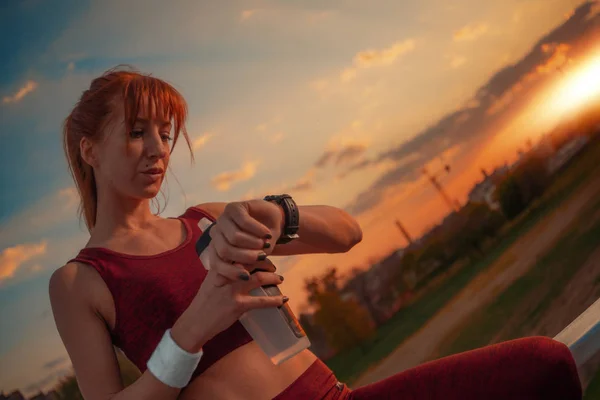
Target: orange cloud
(344,153)
(593,12)
(457,61)
(320,15)
(377,57)
(319,85)
(277,137)
(247,14)
(225,180)
(13,258)
(470,32)
(303,184)
(201,141)
(370,58)
(69,197)
(28,88)
(558,58)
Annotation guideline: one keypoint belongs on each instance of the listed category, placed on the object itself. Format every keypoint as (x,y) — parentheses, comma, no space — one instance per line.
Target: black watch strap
(292,216)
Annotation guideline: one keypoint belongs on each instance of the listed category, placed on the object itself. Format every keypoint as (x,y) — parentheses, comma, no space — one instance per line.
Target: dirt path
(581,291)
(515,262)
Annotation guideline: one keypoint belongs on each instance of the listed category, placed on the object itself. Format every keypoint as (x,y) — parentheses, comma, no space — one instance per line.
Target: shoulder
(76,282)
(72,277)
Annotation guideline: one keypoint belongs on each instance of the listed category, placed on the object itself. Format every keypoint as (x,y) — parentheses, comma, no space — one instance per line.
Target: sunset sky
(335,102)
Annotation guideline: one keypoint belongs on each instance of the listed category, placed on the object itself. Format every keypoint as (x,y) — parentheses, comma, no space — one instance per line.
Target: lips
(153,171)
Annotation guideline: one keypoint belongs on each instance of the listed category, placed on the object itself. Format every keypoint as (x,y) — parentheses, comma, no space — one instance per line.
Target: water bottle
(276,330)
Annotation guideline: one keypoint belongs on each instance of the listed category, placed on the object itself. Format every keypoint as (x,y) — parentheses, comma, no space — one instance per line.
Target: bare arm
(87,340)
(323,229)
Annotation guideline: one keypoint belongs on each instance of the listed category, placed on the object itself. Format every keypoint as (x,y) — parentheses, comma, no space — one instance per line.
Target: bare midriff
(247,374)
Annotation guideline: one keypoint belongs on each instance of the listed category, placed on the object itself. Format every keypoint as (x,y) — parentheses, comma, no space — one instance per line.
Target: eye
(136,133)
(166,137)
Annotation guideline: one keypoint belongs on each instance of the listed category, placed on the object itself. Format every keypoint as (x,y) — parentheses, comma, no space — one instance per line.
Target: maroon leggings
(535,368)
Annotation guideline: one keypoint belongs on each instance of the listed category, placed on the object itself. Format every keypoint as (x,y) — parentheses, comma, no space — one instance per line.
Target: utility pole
(454,205)
(404,232)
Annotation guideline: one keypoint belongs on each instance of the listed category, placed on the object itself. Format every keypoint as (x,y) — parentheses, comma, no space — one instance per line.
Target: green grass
(592,392)
(545,281)
(548,276)
(350,364)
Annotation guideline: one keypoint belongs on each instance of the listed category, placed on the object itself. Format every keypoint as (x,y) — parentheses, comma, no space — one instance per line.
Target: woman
(139,285)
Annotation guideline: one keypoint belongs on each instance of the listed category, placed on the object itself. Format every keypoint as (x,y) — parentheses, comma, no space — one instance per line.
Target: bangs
(155,98)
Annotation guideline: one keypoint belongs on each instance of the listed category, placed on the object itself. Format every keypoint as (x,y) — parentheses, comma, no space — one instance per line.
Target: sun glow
(578,88)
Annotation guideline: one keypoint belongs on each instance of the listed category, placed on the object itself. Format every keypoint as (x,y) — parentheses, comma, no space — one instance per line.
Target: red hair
(92,112)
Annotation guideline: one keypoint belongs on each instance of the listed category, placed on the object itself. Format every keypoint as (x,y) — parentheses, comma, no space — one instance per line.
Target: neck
(120,214)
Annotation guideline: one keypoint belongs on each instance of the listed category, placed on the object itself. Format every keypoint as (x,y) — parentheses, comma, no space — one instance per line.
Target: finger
(225,251)
(239,238)
(259,279)
(231,271)
(240,216)
(265,265)
(252,302)
(213,278)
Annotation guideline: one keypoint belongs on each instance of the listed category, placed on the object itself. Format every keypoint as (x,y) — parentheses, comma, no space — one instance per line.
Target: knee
(550,365)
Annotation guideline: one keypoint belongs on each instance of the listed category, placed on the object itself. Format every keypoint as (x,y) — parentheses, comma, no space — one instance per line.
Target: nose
(155,146)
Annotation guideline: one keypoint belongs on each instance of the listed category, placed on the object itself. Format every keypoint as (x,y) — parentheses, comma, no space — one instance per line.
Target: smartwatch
(292,216)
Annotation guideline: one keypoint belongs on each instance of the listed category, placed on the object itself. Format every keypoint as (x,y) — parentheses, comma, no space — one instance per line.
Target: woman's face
(133,163)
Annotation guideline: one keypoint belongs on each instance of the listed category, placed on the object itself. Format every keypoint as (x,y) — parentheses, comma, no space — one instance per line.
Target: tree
(68,389)
(408,271)
(359,286)
(481,222)
(532,177)
(433,251)
(345,322)
(526,183)
(510,197)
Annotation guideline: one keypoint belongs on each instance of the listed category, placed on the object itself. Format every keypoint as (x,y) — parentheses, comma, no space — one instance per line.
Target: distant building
(484,191)
(565,153)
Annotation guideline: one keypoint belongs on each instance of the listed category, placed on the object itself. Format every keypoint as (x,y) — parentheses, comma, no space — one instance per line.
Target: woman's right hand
(219,303)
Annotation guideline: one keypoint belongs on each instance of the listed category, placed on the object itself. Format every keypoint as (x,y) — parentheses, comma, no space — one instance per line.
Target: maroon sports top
(151,292)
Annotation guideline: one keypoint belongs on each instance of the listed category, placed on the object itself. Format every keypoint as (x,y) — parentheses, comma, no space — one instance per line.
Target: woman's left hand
(246,232)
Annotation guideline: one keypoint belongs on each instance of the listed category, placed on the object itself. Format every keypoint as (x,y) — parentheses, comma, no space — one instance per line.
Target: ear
(88,151)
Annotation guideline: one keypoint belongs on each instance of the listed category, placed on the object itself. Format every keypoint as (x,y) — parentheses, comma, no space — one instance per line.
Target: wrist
(187,336)
(171,364)
(282,215)
(290,217)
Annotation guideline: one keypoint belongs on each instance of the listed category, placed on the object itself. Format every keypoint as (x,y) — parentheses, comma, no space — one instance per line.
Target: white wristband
(172,365)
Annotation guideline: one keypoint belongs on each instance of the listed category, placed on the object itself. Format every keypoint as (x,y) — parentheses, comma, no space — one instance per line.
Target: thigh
(529,368)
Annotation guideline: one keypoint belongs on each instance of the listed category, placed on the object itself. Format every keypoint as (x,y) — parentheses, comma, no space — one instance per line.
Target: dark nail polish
(262,256)
(266,245)
(268,236)
(244,276)
(281,278)
(285,299)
